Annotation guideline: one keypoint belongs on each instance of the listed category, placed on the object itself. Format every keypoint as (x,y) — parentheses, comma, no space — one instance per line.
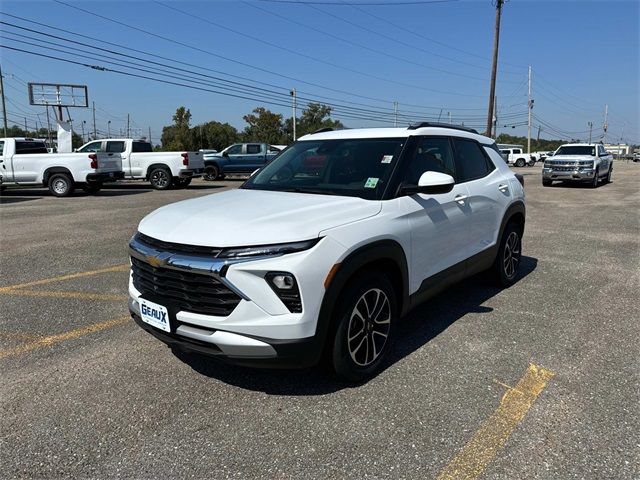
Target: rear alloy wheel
(507,263)
(61,185)
(211,173)
(520,162)
(367,318)
(160,178)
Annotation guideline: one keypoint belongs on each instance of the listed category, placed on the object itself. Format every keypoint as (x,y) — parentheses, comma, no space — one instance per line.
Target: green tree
(214,135)
(178,136)
(264,126)
(315,117)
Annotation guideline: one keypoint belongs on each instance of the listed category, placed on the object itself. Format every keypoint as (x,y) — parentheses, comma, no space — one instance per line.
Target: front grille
(178,247)
(191,292)
(564,169)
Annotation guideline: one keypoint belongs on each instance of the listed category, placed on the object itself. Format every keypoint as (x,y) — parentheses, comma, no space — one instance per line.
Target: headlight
(268,250)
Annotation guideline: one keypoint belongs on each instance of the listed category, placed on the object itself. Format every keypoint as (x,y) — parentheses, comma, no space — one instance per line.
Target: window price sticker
(387,158)
(371,182)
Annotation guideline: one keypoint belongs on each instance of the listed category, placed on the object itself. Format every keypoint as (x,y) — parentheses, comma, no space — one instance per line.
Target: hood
(237,218)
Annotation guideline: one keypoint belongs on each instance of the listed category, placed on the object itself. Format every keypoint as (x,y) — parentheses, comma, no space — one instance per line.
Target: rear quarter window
(31,147)
(141,147)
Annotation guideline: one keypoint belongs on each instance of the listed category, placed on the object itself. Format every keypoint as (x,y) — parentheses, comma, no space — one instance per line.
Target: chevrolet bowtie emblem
(155,261)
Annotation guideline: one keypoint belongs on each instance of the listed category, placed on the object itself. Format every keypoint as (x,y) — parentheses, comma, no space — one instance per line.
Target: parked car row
(27,162)
(239,159)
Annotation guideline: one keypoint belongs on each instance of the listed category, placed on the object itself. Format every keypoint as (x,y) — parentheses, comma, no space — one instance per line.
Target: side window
(1,148)
(115,147)
(92,147)
(235,149)
(253,149)
(141,147)
(432,154)
(517,151)
(471,162)
(31,147)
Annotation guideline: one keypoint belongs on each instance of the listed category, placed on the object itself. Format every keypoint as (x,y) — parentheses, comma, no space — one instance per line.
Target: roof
(354,133)
(579,144)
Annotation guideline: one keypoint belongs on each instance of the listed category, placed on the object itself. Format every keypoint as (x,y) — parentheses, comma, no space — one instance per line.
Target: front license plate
(154,314)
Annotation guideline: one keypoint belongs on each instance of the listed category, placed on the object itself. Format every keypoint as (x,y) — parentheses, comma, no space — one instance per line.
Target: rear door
(489,194)
(234,159)
(5,164)
(136,158)
(255,158)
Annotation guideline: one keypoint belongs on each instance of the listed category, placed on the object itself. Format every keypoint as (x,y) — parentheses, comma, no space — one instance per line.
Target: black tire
(507,263)
(596,178)
(160,178)
(520,162)
(531,163)
(61,185)
(608,179)
(546,183)
(92,188)
(182,182)
(360,358)
(211,173)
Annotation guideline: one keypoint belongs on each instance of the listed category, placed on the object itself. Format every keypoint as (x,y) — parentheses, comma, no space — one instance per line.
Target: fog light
(283,282)
(286,288)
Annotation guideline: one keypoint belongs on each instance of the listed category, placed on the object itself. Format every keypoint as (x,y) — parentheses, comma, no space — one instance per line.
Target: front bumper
(234,348)
(191,173)
(576,175)
(104,177)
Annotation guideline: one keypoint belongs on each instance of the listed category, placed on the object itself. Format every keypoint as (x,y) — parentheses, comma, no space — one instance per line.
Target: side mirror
(225,154)
(76,149)
(431,183)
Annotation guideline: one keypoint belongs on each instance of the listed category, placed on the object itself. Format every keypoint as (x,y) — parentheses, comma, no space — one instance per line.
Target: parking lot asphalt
(538,381)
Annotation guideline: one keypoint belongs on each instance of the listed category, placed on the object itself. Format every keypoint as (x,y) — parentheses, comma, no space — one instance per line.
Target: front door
(439,222)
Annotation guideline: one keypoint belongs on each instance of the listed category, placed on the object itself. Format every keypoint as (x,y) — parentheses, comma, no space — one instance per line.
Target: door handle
(461,199)
(503,188)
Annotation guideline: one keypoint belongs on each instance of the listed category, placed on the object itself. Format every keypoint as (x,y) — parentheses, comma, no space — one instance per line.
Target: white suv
(321,252)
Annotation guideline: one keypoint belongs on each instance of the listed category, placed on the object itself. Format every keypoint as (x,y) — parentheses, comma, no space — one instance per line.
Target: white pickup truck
(139,161)
(515,155)
(26,162)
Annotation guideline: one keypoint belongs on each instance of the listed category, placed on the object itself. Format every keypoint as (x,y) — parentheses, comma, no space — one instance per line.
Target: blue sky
(431,58)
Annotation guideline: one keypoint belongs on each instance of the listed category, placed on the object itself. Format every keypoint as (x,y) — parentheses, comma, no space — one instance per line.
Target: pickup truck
(514,155)
(26,162)
(162,169)
(578,162)
(238,159)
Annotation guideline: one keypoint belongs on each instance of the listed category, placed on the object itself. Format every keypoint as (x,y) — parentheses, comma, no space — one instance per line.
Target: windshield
(577,150)
(351,167)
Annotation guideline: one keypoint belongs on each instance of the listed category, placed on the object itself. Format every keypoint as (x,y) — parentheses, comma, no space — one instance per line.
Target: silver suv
(578,162)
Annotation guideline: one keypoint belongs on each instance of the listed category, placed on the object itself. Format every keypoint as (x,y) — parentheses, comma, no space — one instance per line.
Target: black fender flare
(157,165)
(515,211)
(381,254)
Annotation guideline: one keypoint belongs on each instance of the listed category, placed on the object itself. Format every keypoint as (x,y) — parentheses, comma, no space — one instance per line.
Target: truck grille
(564,169)
(192,292)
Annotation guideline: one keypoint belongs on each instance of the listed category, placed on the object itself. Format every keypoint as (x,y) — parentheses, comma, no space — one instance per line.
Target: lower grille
(191,292)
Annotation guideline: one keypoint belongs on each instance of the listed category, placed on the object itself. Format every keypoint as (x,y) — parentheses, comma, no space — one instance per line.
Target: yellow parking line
(19,336)
(78,295)
(61,337)
(472,460)
(116,268)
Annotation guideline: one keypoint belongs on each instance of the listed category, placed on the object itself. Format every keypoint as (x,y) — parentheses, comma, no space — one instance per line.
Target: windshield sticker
(371,182)
(387,158)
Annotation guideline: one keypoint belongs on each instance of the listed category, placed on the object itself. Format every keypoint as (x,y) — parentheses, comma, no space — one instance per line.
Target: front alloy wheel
(366,318)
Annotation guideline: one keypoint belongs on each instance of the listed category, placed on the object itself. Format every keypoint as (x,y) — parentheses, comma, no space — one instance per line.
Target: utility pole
(395,114)
(492,88)
(293,108)
(495,118)
(109,129)
(538,139)
(4,108)
(128,129)
(530,103)
(95,133)
(82,125)
(449,118)
(149,134)
(590,129)
(49,127)
(605,126)
(25,127)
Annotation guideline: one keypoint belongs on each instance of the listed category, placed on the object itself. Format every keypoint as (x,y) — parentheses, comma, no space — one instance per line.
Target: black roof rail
(324,129)
(415,126)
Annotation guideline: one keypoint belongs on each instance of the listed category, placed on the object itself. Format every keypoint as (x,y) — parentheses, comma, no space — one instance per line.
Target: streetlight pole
(109,129)
(590,128)
(293,107)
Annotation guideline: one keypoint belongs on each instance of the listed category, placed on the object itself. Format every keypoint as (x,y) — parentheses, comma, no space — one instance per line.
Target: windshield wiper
(308,190)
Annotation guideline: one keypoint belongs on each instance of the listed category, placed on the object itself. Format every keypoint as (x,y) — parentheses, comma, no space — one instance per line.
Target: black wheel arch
(516,212)
(52,171)
(386,256)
